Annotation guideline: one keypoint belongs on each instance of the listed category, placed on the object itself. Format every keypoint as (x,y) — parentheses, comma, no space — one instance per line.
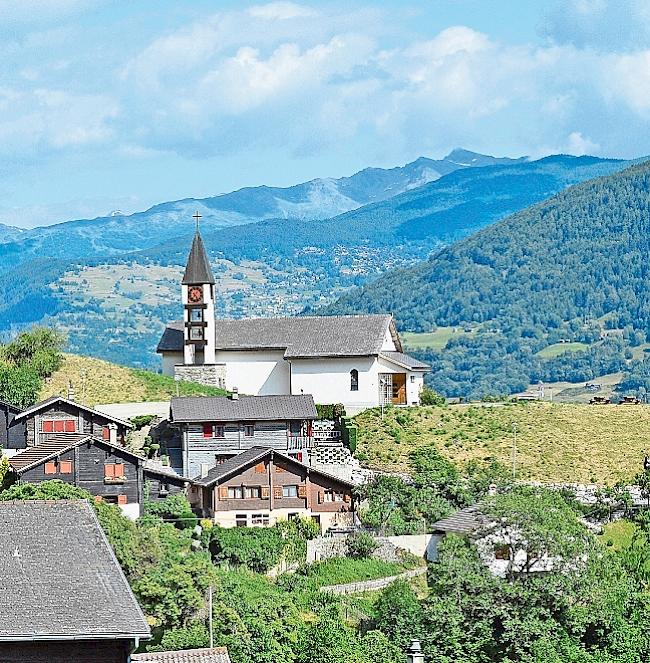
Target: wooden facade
(274,487)
(66,651)
(12,433)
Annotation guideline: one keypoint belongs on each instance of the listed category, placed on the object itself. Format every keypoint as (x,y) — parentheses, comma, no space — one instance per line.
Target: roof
(198,270)
(216,655)
(304,337)
(253,455)
(52,447)
(465,521)
(252,408)
(405,360)
(54,399)
(59,578)
(9,405)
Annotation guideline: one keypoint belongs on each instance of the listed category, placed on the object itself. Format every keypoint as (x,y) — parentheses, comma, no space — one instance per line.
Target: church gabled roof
(198,269)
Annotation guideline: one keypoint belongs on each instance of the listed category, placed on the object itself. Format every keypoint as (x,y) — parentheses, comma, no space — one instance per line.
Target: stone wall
(211,375)
(326,547)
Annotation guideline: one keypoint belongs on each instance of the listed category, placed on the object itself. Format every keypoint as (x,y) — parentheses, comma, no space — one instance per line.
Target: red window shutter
(207,430)
(121,499)
(48,426)
(70,426)
(59,426)
(119,469)
(50,468)
(65,467)
(223,492)
(302,492)
(260,468)
(106,433)
(109,470)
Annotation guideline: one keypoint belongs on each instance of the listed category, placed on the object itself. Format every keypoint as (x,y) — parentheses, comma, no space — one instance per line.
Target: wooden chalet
(109,472)
(12,432)
(58,416)
(215,429)
(63,595)
(260,486)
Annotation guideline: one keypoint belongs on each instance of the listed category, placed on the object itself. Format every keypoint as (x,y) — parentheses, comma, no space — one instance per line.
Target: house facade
(63,609)
(215,429)
(261,486)
(12,432)
(355,360)
(58,416)
(109,473)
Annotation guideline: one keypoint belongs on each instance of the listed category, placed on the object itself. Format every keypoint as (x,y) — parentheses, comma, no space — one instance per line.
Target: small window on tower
(196,333)
(196,315)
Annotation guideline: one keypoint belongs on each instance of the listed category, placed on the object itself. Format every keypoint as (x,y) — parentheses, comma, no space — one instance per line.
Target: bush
(257,548)
(175,509)
(361,545)
(142,420)
(430,397)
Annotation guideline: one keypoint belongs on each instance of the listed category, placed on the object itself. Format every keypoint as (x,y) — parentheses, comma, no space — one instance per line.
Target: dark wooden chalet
(214,429)
(57,416)
(261,486)
(110,473)
(12,432)
(56,606)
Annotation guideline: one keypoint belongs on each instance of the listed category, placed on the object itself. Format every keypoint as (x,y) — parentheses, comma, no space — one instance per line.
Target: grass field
(435,340)
(343,570)
(555,442)
(559,349)
(618,535)
(97,381)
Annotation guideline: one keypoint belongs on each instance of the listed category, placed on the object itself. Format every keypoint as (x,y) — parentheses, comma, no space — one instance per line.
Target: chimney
(71,394)
(205,468)
(235,394)
(112,435)
(414,653)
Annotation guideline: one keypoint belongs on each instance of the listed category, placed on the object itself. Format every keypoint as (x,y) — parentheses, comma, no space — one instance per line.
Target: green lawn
(618,535)
(558,349)
(435,340)
(344,570)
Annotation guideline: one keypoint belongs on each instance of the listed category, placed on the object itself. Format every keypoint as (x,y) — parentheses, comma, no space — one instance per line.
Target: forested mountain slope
(573,268)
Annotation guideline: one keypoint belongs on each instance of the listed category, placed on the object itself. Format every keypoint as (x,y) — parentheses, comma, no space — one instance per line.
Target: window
(214,430)
(249,430)
(207,430)
(235,492)
(252,492)
(260,519)
(196,333)
(241,520)
(295,428)
(106,433)
(219,430)
(59,426)
(65,467)
(114,471)
(50,468)
(354,380)
(70,426)
(289,491)
(333,496)
(412,378)
(196,315)
(48,426)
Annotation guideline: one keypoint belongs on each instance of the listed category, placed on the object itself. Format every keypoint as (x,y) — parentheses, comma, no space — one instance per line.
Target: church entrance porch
(392,389)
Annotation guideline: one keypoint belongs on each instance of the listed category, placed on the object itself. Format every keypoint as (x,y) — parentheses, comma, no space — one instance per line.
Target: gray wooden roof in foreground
(465,521)
(50,448)
(59,578)
(251,408)
(216,655)
(304,337)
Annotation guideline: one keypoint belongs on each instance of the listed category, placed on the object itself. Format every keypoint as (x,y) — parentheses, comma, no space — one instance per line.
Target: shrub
(258,548)
(361,545)
(430,397)
(142,420)
(174,508)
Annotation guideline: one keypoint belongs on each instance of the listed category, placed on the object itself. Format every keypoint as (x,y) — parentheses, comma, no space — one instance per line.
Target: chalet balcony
(327,436)
(298,442)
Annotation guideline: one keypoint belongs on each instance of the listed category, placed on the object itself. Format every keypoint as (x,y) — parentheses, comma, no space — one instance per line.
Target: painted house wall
(66,651)
(169,360)
(255,372)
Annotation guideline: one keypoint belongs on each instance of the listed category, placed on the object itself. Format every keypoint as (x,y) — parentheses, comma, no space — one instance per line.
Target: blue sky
(118,105)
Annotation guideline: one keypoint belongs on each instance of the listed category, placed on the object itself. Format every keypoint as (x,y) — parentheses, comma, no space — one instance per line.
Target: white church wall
(169,360)
(328,380)
(256,372)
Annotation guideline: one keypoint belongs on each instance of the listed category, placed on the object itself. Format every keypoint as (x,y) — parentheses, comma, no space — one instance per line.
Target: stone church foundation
(211,375)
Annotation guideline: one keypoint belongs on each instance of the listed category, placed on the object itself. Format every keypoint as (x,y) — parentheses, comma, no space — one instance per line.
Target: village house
(12,434)
(59,417)
(260,486)
(215,428)
(64,597)
(106,470)
(355,360)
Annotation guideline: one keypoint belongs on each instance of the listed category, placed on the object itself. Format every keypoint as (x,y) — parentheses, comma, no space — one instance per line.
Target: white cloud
(281,11)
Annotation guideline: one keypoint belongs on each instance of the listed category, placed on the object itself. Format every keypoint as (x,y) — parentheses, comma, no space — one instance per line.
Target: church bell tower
(198,305)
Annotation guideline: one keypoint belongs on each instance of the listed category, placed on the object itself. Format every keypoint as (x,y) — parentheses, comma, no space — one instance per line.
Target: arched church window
(354,380)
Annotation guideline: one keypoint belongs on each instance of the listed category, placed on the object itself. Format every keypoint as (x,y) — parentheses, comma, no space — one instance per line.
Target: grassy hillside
(97,381)
(555,442)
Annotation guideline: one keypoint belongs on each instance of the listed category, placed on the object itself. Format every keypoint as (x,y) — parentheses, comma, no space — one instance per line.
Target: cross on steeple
(197,216)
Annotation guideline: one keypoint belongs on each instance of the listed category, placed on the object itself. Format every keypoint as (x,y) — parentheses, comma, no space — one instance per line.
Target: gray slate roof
(216,655)
(54,399)
(465,521)
(304,337)
(59,578)
(52,447)
(10,406)
(405,360)
(253,455)
(197,270)
(245,408)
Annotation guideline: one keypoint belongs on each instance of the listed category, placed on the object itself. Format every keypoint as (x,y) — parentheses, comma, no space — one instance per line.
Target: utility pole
(514,451)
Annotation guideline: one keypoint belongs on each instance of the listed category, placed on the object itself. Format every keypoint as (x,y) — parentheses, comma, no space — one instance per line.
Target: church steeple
(198,270)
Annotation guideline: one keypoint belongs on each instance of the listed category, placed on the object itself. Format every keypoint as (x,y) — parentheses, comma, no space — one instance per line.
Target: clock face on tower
(195,294)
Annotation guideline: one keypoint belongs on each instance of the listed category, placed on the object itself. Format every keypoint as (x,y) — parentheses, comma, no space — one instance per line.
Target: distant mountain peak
(464,157)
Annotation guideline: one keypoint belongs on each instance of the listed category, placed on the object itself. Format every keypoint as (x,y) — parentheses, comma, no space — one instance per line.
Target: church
(355,360)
